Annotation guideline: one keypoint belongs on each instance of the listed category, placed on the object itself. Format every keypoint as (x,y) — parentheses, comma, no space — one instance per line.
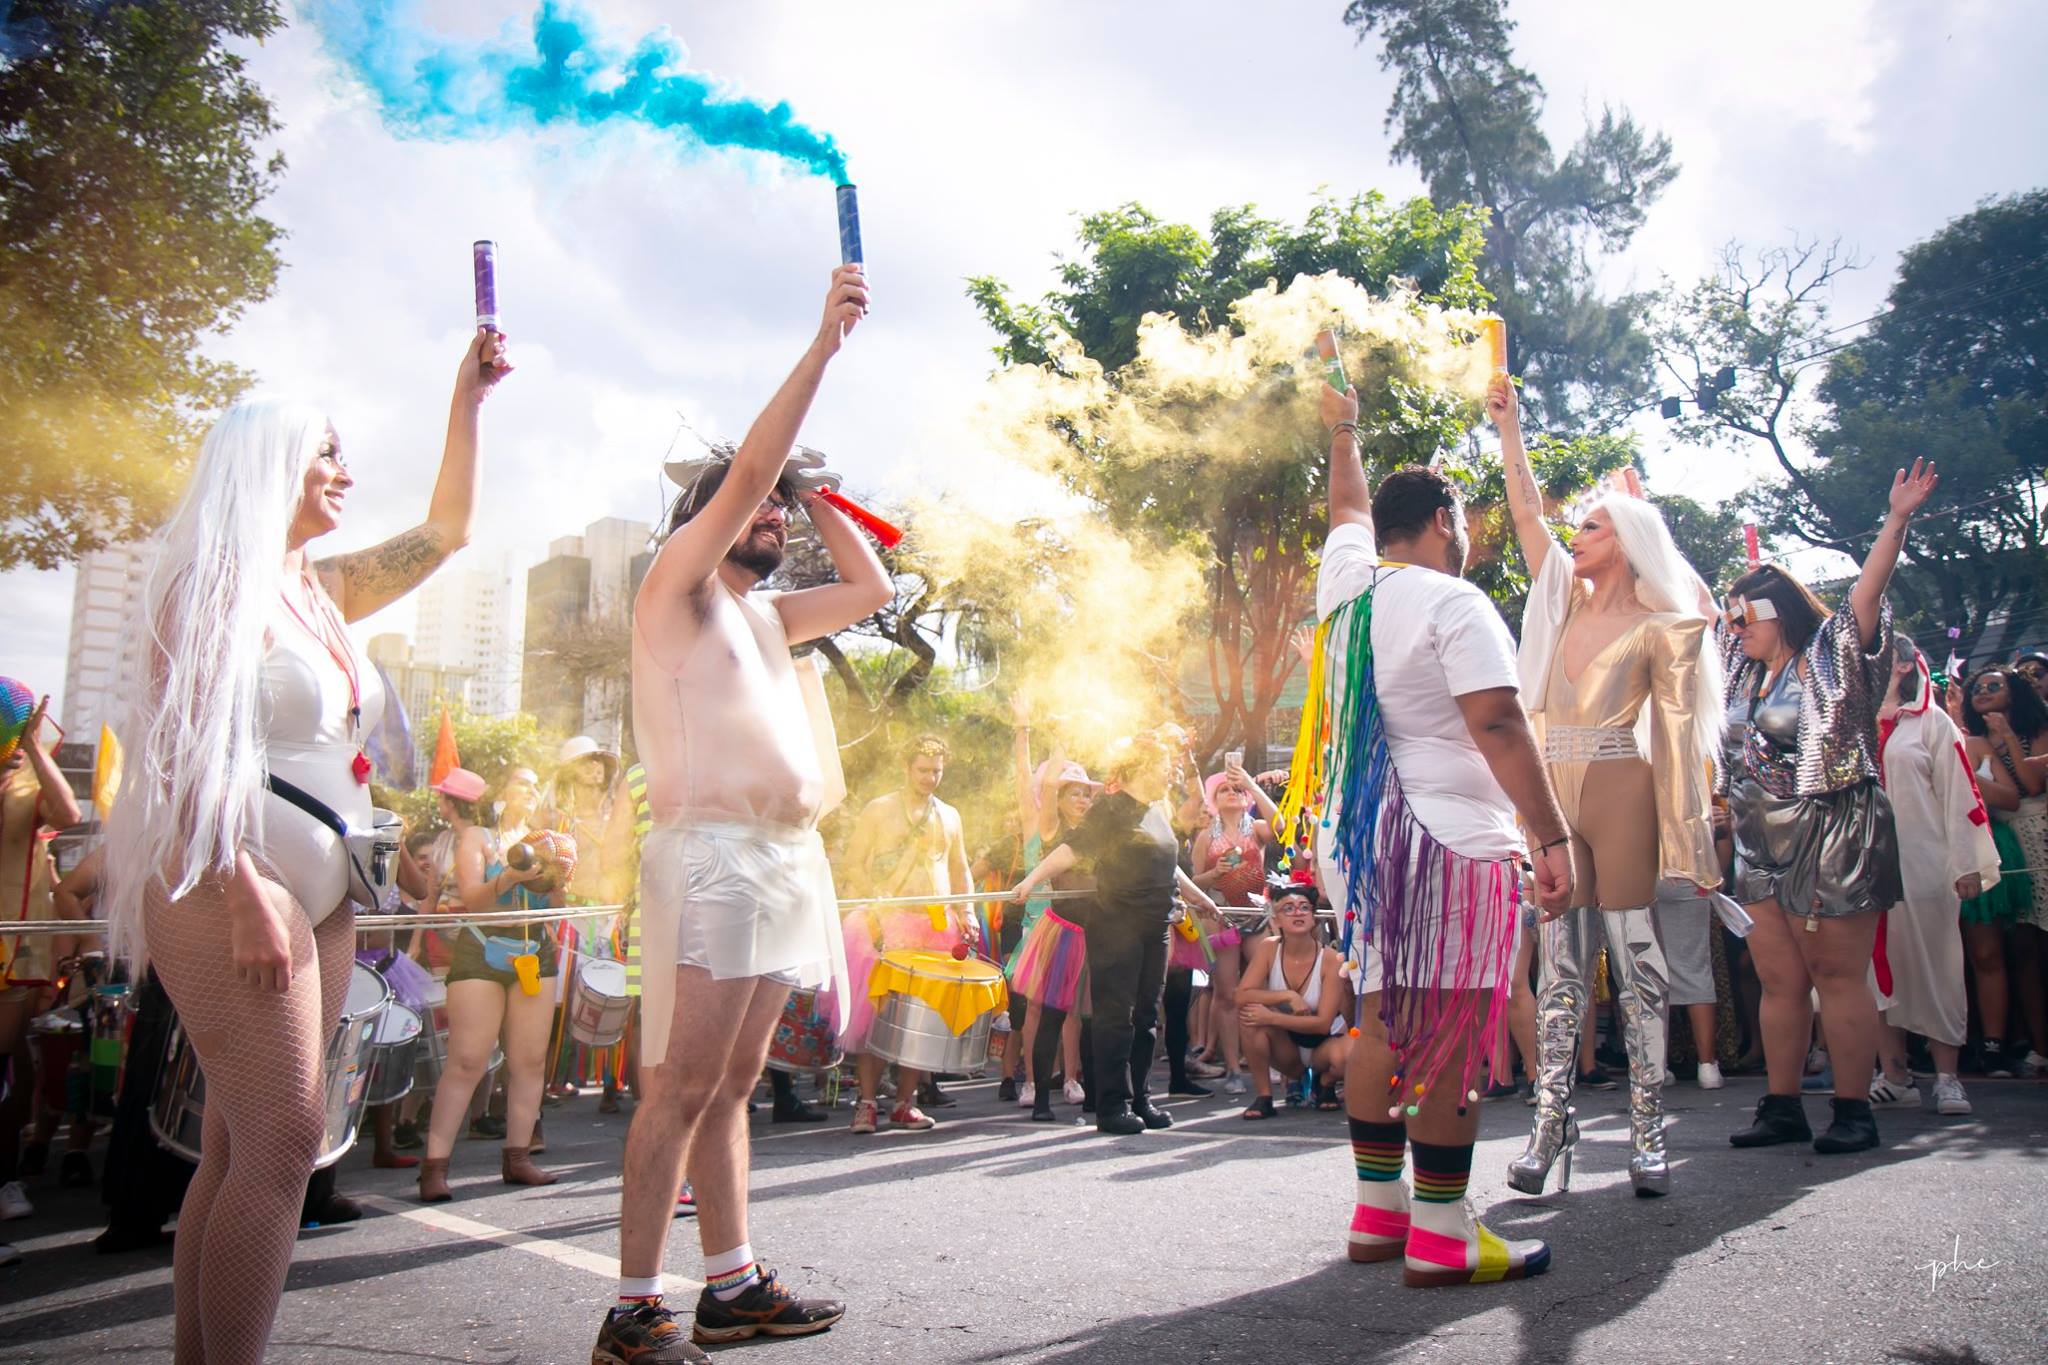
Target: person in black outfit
(1128,836)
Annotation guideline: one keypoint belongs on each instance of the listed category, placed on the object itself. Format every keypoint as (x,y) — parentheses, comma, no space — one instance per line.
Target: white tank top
(1276,980)
(304,723)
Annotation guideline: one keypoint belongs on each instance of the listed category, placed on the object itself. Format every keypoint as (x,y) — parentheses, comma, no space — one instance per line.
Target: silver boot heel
(1564,949)
(1644,980)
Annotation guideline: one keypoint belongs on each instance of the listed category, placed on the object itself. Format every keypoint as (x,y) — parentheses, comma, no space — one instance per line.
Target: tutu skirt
(902,931)
(1196,954)
(1052,964)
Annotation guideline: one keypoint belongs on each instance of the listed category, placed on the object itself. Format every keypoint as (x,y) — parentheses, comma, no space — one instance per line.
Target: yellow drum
(934,1012)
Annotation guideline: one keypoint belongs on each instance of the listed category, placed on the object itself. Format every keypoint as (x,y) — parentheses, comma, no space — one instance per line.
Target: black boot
(1119,1122)
(1854,1129)
(1779,1118)
(1041,1108)
(1150,1114)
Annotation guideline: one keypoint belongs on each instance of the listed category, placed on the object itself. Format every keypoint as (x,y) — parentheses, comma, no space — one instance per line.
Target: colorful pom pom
(1411,1111)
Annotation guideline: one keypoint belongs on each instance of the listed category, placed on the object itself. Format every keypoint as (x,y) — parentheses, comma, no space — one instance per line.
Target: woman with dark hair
(1816,846)
(2034,668)
(2007,726)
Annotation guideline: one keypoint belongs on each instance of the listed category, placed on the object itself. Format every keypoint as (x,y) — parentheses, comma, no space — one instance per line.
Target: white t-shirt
(1434,638)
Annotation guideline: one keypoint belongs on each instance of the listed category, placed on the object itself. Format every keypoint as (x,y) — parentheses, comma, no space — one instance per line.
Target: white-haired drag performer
(215,873)
(736,898)
(1613,632)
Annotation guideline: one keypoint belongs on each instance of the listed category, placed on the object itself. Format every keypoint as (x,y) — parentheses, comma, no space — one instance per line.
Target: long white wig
(1666,582)
(195,755)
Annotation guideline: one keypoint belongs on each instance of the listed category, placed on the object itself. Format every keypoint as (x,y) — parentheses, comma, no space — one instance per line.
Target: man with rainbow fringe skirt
(1414,761)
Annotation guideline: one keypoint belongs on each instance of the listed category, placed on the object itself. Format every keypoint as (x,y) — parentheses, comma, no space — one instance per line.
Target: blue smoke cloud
(428,85)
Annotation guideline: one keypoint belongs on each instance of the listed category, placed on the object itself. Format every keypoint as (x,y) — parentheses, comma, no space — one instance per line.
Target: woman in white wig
(219,870)
(1612,633)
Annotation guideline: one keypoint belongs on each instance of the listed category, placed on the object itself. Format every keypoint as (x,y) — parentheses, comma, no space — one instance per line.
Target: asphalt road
(991,1240)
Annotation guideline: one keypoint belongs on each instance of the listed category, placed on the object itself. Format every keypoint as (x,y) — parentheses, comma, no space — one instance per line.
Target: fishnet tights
(263,1057)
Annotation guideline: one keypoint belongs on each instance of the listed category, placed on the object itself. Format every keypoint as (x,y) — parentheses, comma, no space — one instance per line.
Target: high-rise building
(472,617)
(579,608)
(103,669)
(423,689)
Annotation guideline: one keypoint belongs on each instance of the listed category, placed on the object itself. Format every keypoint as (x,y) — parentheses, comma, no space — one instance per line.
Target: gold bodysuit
(1632,819)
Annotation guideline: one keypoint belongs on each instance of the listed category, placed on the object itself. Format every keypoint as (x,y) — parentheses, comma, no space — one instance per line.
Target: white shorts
(750,900)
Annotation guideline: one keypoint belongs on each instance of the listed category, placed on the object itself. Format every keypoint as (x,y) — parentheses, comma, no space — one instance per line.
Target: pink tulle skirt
(1052,964)
(1196,954)
(902,931)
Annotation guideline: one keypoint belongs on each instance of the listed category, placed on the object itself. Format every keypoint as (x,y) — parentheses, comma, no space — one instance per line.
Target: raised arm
(1020,758)
(1060,860)
(366,580)
(864,586)
(1909,491)
(1525,496)
(686,562)
(1350,498)
(1500,730)
(57,807)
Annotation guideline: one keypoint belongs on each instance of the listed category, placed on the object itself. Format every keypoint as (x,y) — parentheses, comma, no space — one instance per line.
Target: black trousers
(1126,968)
(1180,997)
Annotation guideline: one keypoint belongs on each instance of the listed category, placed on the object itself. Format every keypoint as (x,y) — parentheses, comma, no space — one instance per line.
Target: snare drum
(599,1005)
(433,1053)
(804,1037)
(178,1113)
(394,1053)
(937,1012)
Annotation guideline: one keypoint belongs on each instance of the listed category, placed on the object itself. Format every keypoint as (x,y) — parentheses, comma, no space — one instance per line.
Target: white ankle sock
(639,1289)
(728,1273)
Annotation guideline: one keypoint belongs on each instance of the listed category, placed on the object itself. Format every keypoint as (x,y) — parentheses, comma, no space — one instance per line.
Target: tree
(489,746)
(1948,369)
(129,180)
(1258,522)
(1469,120)
(1709,537)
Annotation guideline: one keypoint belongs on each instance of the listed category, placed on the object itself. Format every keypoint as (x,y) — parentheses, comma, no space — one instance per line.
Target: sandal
(1326,1099)
(1259,1110)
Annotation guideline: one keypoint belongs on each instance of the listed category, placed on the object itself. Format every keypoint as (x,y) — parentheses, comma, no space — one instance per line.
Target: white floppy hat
(583,746)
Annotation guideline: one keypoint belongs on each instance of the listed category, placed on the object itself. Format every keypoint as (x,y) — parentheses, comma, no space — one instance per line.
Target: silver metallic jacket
(1837,714)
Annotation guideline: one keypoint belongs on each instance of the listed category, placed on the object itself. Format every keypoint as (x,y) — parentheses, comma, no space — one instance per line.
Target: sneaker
(1027,1095)
(1447,1245)
(1007,1092)
(1234,1083)
(686,1201)
(1710,1077)
(903,1116)
(2034,1066)
(864,1117)
(797,1111)
(1074,1093)
(1597,1079)
(1889,1094)
(1204,1071)
(1998,1063)
(1821,1082)
(644,1334)
(764,1308)
(406,1135)
(14,1201)
(1500,1090)
(1189,1087)
(1529,1093)
(1949,1098)
(1816,1058)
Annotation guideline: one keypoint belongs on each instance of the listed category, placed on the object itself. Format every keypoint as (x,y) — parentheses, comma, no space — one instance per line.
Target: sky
(646,284)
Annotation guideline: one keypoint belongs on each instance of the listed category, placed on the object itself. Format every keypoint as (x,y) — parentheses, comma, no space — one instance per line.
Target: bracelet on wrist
(1351,427)
(1545,848)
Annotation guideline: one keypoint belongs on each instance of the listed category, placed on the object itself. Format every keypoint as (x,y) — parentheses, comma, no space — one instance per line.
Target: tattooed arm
(367,580)
(1525,497)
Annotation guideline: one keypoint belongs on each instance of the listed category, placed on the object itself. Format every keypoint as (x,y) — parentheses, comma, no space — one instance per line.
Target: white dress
(1944,835)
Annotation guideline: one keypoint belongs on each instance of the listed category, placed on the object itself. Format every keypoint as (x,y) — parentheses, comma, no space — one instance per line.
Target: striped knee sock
(1376,1150)
(1441,1173)
(729,1273)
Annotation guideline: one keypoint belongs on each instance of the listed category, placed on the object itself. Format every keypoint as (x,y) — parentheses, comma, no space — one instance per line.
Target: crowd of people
(1692,817)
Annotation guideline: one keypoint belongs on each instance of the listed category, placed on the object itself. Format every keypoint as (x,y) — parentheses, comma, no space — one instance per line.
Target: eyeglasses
(1987,685)
(2033,672)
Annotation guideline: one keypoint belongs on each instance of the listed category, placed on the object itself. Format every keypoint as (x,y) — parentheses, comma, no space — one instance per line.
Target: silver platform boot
(1644,982)
(1565,948)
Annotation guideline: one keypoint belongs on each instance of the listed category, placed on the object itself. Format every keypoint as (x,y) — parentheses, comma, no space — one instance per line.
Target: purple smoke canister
(849,227)
(484,255)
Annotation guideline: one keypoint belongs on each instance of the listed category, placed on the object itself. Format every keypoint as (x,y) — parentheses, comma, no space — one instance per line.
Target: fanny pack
(500,952)
(372,853)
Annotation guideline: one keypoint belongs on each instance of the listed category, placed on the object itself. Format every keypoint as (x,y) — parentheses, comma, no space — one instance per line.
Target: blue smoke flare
(432,86)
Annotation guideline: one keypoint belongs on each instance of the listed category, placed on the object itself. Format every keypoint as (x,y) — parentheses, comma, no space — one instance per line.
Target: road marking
(546,1248)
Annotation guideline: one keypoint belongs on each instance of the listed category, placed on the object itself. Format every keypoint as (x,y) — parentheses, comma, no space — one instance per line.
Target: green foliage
(129,179)
(1565,470)
(1470,120)
(489,746)
(1709,537)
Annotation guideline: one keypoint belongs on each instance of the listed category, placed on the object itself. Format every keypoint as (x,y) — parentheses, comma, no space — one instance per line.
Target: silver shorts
(750,900)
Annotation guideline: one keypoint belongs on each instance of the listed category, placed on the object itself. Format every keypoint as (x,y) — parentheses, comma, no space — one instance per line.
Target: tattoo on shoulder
(394,568)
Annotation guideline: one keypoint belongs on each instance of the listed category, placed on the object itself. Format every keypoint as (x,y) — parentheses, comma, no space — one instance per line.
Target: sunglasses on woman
(1986,685)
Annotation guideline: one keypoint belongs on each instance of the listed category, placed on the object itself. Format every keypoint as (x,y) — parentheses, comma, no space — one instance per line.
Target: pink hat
(1212,786)
(462,784)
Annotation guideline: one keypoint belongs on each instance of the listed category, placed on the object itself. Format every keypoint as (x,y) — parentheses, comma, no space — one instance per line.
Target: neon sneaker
(1380,1233)
(1447,1244)
(645,1334)
(764,1309)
